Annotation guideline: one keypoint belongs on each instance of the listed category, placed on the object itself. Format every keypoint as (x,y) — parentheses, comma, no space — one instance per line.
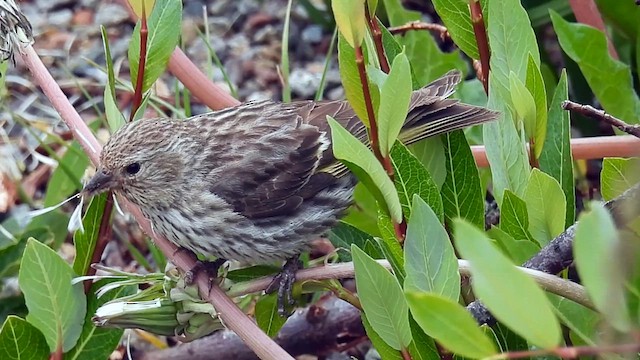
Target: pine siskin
(256,182)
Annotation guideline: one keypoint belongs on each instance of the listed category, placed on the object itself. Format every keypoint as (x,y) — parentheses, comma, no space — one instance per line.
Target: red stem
(481,39)
(144,34)
(377,40)
(373,127)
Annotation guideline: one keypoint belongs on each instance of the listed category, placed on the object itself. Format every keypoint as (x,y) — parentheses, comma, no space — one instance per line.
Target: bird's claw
(210,267)
(283,284)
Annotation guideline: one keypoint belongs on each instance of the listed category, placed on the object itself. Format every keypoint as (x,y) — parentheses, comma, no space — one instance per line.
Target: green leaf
(267,315)
(412,178)
(138,5)
(21,340)
(252,272)
(363,215)
(546,207)
(514,217)
(350,18)
(461,192)
(505,149)
(382,300)
(85,242)
(511,296)
(535,85)
(115,119)
(450,324)
(422,347)
(597,249)
(618,175)
(98,342)
(351,82)
(456,17)
(556,159)
(390,246)
(3,76)
(609,79)
(347,147)
(395,95)
(56,307)
(583,322)
(524,105)
(512,40)
(343,235)
(164,32)
(518,251)
(65,179)
(430,262)
(386,352)
(430,152)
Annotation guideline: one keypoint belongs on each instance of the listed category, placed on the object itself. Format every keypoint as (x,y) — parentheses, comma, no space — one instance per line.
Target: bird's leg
(283,283)
(210,267)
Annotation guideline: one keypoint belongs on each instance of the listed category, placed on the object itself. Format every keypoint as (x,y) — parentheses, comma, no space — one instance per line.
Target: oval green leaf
(546,207)
(597,250)
(56,307)
(430,262)
(450,324)
(350,18)
(511,296)
(382,300)
(21,340)
(347,147)
(395,95)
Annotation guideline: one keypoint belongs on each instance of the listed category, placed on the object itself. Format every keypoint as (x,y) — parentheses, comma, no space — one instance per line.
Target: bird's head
(143,160)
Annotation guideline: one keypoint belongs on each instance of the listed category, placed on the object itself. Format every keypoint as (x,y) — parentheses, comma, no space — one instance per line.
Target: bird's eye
(133,168)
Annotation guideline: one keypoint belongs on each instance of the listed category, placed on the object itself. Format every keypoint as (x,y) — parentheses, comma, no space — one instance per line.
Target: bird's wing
(269,173)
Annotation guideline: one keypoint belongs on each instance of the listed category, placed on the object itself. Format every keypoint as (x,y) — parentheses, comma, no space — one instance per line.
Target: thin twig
(600,115)
(419,25)
(571,352)
(548,282)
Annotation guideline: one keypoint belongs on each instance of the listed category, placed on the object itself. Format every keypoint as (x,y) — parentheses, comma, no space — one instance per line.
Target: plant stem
(137,95)
(377,40)
(480,32)
(373,126)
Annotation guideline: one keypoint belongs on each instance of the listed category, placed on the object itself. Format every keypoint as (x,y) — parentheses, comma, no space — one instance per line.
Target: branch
(558,254)
(419,25)
(548,282)
(595,147)
(328,325)
(600,115)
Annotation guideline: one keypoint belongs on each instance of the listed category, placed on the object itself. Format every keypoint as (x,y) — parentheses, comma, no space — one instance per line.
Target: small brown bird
(256,182)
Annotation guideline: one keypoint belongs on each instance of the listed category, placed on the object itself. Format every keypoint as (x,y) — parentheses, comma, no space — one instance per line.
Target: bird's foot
(283,283)
(210,267)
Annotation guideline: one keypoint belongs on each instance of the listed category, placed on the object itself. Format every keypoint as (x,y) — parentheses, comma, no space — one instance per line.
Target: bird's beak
(100,182)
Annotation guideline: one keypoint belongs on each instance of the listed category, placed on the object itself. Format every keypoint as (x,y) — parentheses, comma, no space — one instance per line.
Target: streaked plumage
(258,181)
